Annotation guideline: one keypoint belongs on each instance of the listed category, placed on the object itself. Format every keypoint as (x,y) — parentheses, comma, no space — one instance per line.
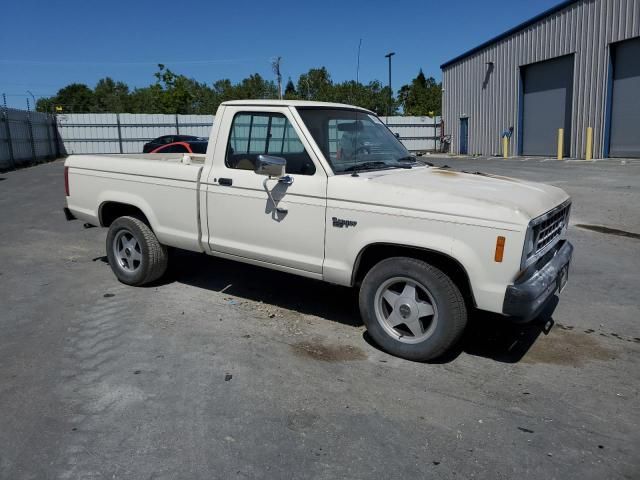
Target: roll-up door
(546,105)
(625,100)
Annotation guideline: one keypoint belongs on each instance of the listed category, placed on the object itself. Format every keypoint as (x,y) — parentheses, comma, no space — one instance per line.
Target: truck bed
(163,187)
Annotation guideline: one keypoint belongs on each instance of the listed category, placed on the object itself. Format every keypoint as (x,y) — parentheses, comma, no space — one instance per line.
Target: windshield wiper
(367,166)
(414,159)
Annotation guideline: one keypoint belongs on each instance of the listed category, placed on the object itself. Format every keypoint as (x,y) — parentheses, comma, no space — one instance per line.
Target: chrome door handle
(286,180)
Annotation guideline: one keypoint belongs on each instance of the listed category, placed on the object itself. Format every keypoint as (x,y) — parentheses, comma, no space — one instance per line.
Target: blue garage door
(625,100)
(547,98)
(464,136)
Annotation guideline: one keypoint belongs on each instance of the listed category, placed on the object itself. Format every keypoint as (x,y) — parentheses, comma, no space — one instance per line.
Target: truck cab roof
(292,103)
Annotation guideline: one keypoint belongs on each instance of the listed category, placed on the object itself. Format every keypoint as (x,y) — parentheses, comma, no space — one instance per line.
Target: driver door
(285,229)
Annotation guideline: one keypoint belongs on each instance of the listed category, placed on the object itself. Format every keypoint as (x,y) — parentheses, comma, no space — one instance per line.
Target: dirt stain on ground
(566,347)
(331,353)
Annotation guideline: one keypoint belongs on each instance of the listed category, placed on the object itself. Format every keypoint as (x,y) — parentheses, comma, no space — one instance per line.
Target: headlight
(529,246)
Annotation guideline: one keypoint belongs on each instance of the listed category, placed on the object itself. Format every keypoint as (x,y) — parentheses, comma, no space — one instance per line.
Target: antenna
(358,66)
(275,64)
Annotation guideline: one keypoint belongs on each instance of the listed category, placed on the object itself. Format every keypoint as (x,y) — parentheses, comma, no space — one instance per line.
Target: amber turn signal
(499,249)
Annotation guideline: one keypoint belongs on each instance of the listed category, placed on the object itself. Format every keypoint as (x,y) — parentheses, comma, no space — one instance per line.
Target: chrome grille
(550,227)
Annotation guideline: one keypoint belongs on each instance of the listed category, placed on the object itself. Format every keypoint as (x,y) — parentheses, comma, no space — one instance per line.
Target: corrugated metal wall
(127,133)
(489,97)
(416,133)
(25,138)
(124,132)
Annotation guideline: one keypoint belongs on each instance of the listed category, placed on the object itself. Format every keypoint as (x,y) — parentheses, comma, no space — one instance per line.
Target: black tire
(152,257)
(448,321)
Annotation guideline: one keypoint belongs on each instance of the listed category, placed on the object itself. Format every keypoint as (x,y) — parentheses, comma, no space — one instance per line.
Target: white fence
(124,132)
(127,132)
(29,137)
(418,134)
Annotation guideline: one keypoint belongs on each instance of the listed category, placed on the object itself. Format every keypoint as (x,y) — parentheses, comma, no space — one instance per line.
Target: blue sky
(49,44)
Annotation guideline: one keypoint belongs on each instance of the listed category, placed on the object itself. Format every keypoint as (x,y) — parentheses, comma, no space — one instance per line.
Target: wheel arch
(373,253)
(110,210)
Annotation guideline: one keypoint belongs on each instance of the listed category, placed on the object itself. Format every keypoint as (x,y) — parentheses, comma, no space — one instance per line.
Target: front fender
(471,246)
(344,243)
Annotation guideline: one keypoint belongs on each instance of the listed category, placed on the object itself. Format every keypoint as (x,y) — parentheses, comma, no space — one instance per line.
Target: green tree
(176,91)
(223,90)
(146,100)
(372,96)
(290,92)
(316,85)
(421,96)
(256,87)
(110,96)
(47,105)
(172,93)
(75,98)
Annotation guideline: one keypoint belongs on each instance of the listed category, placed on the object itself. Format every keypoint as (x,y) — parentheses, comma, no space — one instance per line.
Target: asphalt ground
(225,370)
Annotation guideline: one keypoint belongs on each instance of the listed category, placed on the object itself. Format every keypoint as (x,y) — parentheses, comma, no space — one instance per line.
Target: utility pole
(276,69)
(389,55)
(358,65)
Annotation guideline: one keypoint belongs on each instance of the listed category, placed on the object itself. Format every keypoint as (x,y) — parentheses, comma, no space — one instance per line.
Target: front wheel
(135,254)
(412,309)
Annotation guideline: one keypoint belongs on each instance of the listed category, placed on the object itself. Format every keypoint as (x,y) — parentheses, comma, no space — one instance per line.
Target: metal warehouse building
(574,66)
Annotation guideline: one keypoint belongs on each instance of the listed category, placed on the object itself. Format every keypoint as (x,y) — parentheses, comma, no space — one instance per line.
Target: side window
(254,134)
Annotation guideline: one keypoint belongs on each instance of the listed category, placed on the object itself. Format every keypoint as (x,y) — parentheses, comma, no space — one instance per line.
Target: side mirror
(397,135)
(270,166)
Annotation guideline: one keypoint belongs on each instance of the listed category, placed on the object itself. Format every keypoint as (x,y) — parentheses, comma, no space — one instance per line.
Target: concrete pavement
(230,371)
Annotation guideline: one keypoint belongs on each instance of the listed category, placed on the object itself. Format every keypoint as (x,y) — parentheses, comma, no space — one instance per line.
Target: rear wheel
(135,254)
(412,309)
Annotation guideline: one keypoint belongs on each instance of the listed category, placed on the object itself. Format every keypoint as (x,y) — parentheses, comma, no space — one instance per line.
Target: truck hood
(444,191)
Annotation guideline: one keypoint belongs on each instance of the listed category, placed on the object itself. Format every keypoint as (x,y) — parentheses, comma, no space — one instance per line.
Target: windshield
(353,140)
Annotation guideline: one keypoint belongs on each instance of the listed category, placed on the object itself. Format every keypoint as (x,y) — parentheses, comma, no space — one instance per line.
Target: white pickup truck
(326,191)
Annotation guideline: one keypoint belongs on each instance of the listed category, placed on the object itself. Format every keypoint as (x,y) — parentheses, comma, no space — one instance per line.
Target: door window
(254,134)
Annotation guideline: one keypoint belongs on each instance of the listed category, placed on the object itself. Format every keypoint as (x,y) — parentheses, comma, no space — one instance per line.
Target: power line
(27,95)
(165,62)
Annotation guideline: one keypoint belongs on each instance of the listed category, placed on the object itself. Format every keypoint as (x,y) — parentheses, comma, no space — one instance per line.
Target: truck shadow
(498,338)
(487,335)
(291,292)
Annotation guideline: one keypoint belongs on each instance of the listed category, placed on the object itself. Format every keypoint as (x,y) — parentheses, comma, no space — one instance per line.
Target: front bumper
(526,299)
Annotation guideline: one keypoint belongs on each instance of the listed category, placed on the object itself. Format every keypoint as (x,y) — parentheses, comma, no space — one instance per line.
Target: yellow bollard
(589,153)
(560,143)
(505,146)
